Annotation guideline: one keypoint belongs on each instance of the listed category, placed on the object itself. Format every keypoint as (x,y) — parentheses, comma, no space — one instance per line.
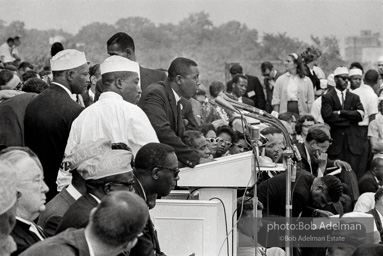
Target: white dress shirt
(369,101)
(113,118)
(73,192)
(32,227)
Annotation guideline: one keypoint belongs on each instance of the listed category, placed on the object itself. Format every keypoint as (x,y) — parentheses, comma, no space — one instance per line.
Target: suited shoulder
(153,72)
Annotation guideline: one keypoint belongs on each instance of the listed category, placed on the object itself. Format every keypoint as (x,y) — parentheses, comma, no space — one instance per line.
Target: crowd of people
(88,148)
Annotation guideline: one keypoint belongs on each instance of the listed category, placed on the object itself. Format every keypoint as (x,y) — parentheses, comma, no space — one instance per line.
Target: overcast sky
(299,18)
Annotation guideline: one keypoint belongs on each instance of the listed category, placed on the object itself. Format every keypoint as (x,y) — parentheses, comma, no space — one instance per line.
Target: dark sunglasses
(174,170)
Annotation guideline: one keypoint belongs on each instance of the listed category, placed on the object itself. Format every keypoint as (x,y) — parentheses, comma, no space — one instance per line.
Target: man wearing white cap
(114,116)
(370,104)
(103,174)
(342,110)
(317,105)
(380,70)
(49,117)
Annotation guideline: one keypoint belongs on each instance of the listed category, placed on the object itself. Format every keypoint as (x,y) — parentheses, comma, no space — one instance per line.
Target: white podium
(217,179)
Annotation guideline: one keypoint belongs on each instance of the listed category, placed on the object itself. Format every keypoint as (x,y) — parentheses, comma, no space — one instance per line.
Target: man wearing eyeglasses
(155,174)
(103,174)
(342,110)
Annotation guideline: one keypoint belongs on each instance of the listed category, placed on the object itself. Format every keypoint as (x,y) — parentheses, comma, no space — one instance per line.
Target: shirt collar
(32,227)
(339,91)
(142,188)
(73,96)
(95,198)
(91,252)
(178,98)
(73,192)
(110,95)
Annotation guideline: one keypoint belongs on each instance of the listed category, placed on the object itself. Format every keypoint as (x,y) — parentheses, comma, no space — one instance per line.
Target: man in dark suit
(161,103)
(372,180)
(342,110)
(156,174)
(113,229)
(48,118)
(57,207)
(30,183)
(270,75)
(240,84)
(378,211)
(102,174)
(122,44)
(254,89)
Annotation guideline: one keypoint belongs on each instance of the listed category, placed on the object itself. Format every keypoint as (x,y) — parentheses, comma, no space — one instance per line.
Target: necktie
(342,100)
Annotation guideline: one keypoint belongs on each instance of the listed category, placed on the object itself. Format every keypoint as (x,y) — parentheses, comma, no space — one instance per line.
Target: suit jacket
(68,243)
(159,104)
(368,183)
(188,114)
(343,126)
(147,77)
(314,166)
(77,216)
(377,220)
(48,119)
(147,244)
(269,91)
(248,101)
(23,237)
(55,210)
(12,112)
(254,91)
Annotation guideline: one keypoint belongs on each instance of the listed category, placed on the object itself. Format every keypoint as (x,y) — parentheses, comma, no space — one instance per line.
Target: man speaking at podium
(161,103)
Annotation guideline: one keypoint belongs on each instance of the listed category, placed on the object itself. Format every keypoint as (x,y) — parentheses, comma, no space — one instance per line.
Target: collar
(73,192)
(95,198)
(178,98)
(110,95)
(339,91)
(32,227)
(91,252)
(73,96)
(142,188)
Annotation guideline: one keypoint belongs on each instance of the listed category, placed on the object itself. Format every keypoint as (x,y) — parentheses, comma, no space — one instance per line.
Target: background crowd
(76,136)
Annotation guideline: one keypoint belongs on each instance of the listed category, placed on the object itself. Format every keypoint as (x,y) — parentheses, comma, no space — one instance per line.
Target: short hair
(287,116)
(109,78)
(266,65)
(16,38)
(215,88)
(226,129)
(237,77)
(375,162)
(310,54)
(119,218)
(56,48)
(93,69)
(150,156)
(10,67)
(378,194)
(35,85)
(180,66)
(240,136)
(301,120)
(190,136)
(245,203)
(122,39)
(15,155)
(5,76)
(356,65)
(10,40)
(371,77)
(206,128)
(334,187)
(270,130)
(44,73)
(25,64)
(29,74)
(94,184)
(317,134)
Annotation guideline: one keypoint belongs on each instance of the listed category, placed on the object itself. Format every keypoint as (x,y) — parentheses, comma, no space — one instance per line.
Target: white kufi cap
(330,80)
(118,63)
(340,71)
(355,72)
(380,59)
(67,59)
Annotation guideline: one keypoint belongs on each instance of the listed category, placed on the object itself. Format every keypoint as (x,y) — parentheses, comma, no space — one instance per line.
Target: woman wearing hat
(293,91)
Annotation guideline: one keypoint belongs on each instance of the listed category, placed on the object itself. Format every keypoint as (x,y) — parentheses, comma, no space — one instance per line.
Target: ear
(178,80)
(70,74)
(118,83)
(93,80)
(155,173)
(129,53)
(130,244)
(107,188)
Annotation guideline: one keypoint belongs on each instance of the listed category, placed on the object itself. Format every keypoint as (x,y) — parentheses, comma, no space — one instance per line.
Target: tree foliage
(195,37)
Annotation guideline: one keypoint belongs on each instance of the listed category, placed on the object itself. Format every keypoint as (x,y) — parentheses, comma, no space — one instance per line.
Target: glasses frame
(176,171)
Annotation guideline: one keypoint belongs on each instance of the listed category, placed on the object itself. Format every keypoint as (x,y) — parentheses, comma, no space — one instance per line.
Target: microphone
(242,105)
(221,101)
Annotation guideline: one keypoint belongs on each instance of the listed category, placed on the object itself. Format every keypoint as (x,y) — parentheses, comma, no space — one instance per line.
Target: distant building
(363,48)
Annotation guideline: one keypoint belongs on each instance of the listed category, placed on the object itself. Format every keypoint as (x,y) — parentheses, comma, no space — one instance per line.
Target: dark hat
(236,69)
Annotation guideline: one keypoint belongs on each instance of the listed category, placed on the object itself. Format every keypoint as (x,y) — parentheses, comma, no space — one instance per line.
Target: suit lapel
(338,104)
(172,102)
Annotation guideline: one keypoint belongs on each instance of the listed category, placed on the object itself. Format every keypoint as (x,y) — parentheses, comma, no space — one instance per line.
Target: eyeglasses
(174,170)
(212,140)
(128,185)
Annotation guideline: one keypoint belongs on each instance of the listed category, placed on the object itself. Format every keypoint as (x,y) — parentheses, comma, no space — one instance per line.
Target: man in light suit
(342,110)
(122,44)
(48,118)
(114,227)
